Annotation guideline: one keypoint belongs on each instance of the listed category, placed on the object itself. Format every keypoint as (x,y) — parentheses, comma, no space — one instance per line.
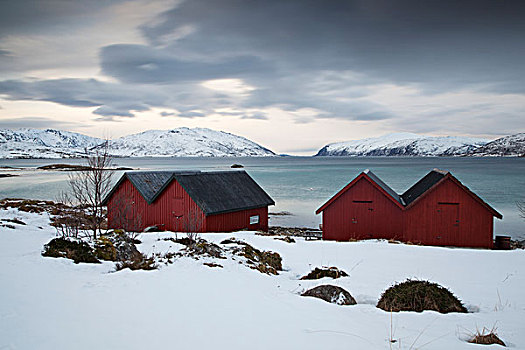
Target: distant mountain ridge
(513,145)
(181,142)
(408,144)
(48,143)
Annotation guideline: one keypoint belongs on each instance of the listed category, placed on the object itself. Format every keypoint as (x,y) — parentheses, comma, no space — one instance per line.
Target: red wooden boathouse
(191,201)
(437,210)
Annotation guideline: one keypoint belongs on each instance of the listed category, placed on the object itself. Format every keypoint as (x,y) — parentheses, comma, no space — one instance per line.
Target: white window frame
(254,219)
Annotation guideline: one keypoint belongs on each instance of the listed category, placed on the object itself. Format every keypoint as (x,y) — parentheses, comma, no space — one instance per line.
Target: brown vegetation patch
(141,262)
(27,205)
(63,248)
(486,337)
(286,239)
(213,265)
(264,261)
(317,273)
(15,221)
(104,249)
(65,167)
(413,295)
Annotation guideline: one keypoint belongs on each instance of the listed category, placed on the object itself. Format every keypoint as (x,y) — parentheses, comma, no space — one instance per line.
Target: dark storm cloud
(34,122)
(303,54)
(144,64)
(38,16)
(106,111)
(438,44)
(112,99)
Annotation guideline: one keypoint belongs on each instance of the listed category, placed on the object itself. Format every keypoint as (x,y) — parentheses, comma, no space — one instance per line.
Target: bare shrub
(193,225)
(90,186)
(68,223)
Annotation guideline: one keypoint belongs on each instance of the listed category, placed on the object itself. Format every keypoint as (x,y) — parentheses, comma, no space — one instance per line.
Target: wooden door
(362,220)
(447,224)
(177,210)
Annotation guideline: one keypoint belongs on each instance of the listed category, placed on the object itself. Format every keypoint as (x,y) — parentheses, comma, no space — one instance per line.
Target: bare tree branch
(89,187)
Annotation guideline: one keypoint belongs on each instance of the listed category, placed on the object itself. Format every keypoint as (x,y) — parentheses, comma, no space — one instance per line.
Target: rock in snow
(404,144)
(181,142)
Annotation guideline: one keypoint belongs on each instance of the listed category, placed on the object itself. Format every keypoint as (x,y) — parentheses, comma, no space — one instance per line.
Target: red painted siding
(174,210)
(237,220)
(362,212)
(449,216)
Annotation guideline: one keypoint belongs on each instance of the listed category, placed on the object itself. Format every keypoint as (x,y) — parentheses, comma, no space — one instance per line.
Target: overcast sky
(291,75)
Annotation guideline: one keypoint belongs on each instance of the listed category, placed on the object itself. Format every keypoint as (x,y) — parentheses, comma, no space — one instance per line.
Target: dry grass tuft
(486,337)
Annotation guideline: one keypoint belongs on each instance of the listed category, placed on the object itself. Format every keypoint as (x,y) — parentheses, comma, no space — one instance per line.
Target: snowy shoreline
(50,303)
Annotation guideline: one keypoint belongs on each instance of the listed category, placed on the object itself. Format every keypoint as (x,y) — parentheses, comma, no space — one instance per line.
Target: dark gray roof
(384,186)
(151,183)
(423,185)
(214,192)
(224,191)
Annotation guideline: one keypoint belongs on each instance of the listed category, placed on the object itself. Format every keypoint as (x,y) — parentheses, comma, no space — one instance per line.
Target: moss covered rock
(105,250)
(265,262)
(63,248)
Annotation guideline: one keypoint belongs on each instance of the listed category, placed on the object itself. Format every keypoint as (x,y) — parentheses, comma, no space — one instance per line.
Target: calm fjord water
(302,184)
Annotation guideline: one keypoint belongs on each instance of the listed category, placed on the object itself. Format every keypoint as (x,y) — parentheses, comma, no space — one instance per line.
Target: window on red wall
(254,219)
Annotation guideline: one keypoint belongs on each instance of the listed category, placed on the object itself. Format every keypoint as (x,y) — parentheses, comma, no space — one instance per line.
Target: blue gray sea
(299,185)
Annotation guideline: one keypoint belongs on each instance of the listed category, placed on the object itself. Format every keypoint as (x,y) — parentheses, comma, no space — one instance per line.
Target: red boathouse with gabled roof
(365,208)
(437,210)
(188,201)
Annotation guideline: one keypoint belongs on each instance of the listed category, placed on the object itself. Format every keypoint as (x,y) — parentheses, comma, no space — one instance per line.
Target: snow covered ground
(48,303)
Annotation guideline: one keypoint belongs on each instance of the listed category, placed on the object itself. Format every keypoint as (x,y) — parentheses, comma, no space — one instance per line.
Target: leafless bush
(192,225)
(89,187)
(68,223)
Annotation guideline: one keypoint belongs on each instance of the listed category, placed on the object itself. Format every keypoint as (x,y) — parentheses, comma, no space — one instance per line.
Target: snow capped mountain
(513,145)
(182,142)
(404,144)
(48,143)
(186,142)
